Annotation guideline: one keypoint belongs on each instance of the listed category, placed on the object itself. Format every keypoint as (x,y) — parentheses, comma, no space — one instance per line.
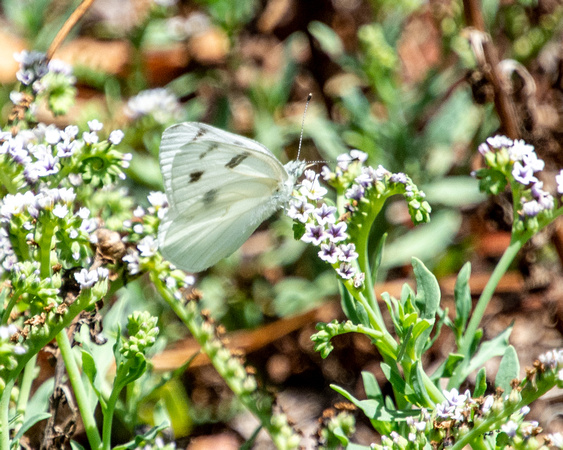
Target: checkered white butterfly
(220,187)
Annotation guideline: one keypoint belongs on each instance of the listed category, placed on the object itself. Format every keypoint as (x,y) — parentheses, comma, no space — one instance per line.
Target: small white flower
(95,125)
(157,199)
(86,279)
(147,246)
(60,211)
(116,136)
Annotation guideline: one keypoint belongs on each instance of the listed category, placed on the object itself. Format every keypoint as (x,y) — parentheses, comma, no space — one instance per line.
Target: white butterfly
(220,187)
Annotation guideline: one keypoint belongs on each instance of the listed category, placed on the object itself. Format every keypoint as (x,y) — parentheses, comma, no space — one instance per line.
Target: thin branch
(503,101)
(68,25)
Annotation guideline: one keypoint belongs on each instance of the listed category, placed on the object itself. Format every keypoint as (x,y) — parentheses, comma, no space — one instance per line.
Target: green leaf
(75,445)
(377,257)
(490,349)
(373,391)
(417,382)
(427,300)
(29,422)
(425,241)
(480,383)
(427,290)
(462,296)
(327,38)
(90,370)
(375,410)
(508,370)
(454,191)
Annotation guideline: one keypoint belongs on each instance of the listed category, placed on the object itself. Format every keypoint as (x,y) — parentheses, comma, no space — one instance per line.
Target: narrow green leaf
(90,370)
(326,37)
(462,296)
(508,370)
(375,410)
(32,420)
(373,391)
(480,383)
(427,290)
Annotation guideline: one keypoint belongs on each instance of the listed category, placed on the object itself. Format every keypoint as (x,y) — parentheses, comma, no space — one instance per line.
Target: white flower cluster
(86,279)
(323,229)
(42,150)
(159,103)
(525,166)
(28,207)
(34,67)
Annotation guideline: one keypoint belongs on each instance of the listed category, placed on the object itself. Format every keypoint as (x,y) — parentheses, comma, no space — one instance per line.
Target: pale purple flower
(300,209)
(510,428)
(139,211)
(90,138)
(70,132)
(499,141)
(523,174)
(359,279)
(329,253)
(86,279)
(148,246)
(454,398)
(159,102)
(347,252)
(52,135)
(532,160)
(7,331)
(102,273)
(133,262)
(310,175)
(356,192)
(358,155)
(325,214)
(66,195)
(398,177)
(343,161)
(66,148)
(312,189)
(138,228)
(47,166)
(125,159)
(83,213)
(346,271)
(19,349)
(326,173)
(314,234)
(520,150)
(487,404)
(337,232)
(559,181)
(556,439)
(483,149)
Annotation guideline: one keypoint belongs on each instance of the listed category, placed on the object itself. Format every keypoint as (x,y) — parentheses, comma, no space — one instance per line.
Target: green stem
(79,391)
(108,415)
(5,415)
(486,295)
(275,424)
(25,389)
(8,310)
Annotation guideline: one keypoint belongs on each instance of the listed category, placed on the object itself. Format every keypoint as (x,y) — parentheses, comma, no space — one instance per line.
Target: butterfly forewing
(220,187)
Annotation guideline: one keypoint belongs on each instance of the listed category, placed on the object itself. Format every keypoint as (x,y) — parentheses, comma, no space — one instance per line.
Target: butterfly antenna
(309,97)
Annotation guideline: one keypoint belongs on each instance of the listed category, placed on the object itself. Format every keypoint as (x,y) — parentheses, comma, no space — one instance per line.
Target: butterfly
(220,186)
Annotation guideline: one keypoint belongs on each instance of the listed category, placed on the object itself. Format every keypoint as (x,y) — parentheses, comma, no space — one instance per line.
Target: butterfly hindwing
(220,187)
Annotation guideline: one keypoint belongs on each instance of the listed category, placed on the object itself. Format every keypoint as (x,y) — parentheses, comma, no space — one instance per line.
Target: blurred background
(405,81)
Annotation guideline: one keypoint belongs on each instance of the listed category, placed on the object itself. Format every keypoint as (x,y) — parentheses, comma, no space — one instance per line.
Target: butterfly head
(295,169)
